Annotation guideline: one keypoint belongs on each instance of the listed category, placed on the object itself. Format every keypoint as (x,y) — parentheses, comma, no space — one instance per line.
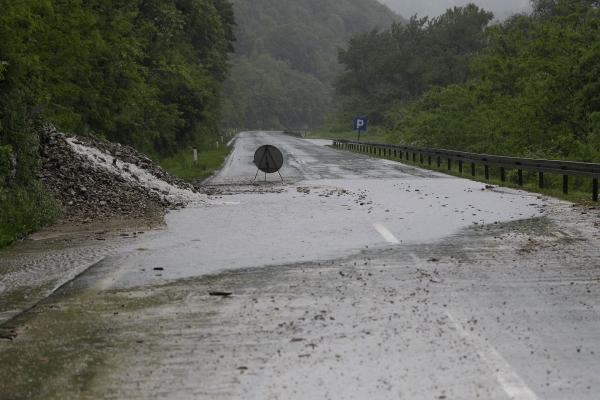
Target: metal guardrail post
(504,163)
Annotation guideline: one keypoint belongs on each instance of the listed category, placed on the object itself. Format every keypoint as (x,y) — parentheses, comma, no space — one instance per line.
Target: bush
(6,156)
(24,210)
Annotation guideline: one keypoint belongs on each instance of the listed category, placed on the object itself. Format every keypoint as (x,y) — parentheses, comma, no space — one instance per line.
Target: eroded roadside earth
(110,195)
(483,294)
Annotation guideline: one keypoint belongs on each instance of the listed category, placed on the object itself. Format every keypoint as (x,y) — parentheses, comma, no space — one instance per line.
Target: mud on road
(497,306)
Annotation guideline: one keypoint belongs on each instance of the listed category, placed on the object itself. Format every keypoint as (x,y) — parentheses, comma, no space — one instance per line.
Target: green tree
(533,90)
(396,66)
(147,73)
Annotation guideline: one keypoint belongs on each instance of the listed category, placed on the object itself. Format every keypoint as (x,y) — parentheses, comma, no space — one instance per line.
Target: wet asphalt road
(356,278)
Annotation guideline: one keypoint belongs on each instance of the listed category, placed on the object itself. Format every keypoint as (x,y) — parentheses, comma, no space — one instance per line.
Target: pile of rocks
(89,190)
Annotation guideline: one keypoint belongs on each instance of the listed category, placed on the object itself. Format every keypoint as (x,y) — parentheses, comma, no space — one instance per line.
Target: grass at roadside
(23,211)
(579,189)
(183,166)
(371,136)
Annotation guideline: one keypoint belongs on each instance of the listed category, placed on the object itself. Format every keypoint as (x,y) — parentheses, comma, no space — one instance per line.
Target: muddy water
(315,220)
(484,294)
(385,323)
(32,269)
(331,204)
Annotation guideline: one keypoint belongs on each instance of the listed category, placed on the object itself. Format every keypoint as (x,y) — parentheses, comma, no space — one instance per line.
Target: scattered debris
(8,333)
(221,294)
(94,179)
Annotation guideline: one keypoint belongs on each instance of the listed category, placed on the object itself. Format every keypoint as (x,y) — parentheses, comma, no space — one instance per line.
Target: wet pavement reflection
(358,278)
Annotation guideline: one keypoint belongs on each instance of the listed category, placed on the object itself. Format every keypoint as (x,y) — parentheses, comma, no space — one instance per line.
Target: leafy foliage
(529,86)
(144,72)
(534,90)
(6,156)
(23,210)
(147,73)
(397,65)
(286,62)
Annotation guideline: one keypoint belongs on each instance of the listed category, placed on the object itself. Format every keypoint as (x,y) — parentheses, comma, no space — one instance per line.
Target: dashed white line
(508,378)
(385,233)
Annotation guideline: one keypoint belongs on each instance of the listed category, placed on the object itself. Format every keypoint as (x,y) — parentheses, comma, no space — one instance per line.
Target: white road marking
(387,235)
(508,378)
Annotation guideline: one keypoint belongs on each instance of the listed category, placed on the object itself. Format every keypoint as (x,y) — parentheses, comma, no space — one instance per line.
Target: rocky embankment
(96,180)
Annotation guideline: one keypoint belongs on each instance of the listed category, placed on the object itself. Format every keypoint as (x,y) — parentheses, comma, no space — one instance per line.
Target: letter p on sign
(360,123)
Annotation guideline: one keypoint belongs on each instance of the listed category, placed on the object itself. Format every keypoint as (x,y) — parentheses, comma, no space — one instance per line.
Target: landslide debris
(94,179)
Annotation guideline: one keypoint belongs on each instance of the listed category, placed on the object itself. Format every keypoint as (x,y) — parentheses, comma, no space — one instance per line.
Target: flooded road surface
(356,278)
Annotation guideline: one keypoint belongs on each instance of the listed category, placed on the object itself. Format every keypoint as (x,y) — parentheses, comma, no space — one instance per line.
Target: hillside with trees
(526,87)
(286,58)
(147,73)
(397,65)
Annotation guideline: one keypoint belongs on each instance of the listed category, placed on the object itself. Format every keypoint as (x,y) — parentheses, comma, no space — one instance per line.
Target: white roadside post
(195,155)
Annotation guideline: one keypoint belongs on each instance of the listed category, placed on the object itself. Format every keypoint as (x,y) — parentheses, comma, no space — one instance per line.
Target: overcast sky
(432,8)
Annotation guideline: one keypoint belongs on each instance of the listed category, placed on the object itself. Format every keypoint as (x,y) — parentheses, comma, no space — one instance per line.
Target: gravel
(94,179)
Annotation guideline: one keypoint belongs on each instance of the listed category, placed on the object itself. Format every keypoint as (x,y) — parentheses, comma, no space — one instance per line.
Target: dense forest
(529,86)
(397,65)
(147,73)
(286,58)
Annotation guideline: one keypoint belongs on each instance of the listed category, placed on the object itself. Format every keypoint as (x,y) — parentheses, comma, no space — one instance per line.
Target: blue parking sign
(360,124)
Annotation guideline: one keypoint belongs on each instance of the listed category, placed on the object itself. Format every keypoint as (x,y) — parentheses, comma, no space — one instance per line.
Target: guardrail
(427,155)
